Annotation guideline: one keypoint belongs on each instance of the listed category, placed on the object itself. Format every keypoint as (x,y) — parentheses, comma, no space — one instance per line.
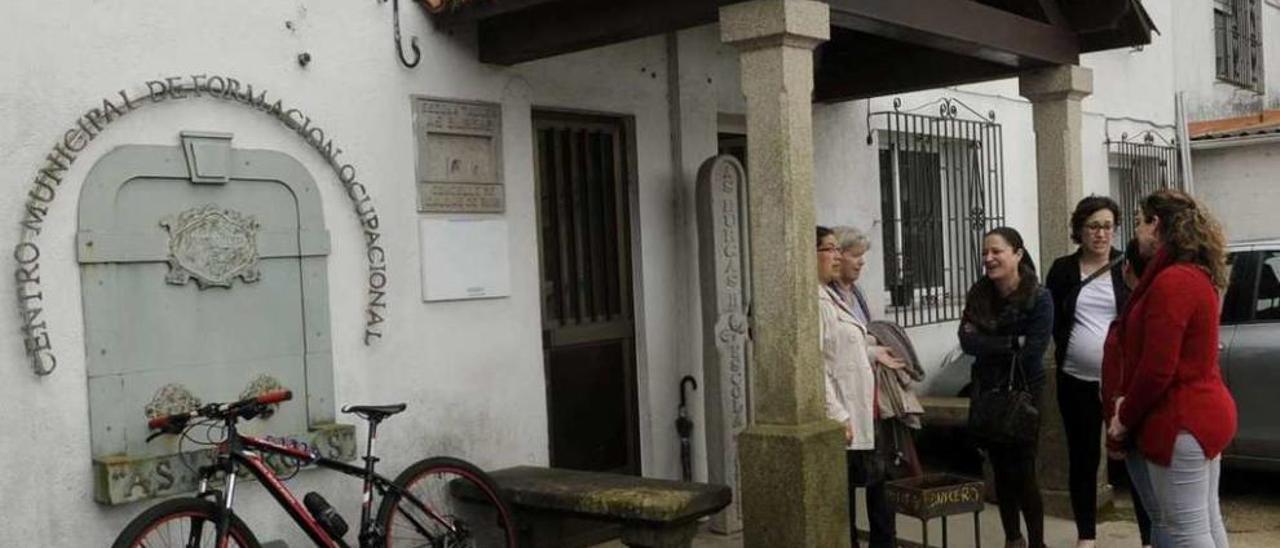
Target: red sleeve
(1167,310)
(1112,362)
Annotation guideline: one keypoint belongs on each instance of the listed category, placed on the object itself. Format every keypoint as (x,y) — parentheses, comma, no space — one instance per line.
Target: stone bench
(946,412)
(644,512)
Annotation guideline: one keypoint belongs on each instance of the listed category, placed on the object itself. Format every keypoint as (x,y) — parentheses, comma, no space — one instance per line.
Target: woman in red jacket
(1174,408)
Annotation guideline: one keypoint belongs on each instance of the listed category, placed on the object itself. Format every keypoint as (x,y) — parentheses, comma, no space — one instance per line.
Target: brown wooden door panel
(583,168)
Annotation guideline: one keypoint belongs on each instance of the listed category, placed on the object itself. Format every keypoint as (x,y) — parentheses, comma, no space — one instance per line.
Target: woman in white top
(850,393)
(1088,292)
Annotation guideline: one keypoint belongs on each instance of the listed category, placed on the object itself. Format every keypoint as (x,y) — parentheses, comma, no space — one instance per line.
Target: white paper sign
(464,259)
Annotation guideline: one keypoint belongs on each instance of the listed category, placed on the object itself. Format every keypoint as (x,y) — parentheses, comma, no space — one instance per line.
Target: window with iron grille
(1237,30)
(941,189)
(1140,165)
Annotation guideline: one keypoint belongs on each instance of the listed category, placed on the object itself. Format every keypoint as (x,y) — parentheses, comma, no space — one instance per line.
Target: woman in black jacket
(1088,292)
(1007,322)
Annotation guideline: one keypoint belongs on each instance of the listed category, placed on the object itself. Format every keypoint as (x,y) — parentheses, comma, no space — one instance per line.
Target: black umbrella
(684,427)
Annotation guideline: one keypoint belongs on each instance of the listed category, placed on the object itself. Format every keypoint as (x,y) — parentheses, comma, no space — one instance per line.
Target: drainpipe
(1184,143)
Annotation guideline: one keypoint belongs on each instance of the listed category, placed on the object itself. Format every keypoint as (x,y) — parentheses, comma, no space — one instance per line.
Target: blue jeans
(1184,498)
(1141,481)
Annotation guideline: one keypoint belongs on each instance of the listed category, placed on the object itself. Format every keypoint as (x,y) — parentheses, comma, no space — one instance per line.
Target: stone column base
(794,488)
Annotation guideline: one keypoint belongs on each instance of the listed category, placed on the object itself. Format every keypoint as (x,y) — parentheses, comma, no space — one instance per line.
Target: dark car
(1249,344)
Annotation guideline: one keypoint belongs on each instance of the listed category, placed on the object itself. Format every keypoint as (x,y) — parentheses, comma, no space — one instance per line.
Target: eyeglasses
(828,249)
(1100,227)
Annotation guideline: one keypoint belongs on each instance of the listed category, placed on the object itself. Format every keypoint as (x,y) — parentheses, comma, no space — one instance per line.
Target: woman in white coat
(851,394)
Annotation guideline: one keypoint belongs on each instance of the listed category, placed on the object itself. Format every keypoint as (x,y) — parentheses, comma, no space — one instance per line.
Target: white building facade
(474,371)
(1230,76)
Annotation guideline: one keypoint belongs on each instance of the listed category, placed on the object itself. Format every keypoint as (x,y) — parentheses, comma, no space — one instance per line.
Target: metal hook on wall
(413,41)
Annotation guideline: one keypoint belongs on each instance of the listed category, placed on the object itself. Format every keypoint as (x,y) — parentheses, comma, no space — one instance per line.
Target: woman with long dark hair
(1173,407)
(1006,326)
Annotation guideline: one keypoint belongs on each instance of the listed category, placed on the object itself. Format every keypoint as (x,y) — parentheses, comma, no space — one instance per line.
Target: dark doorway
(583,173)
(733,144)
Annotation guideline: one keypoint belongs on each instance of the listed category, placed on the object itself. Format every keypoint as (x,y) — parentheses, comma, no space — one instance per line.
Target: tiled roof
(1267,121)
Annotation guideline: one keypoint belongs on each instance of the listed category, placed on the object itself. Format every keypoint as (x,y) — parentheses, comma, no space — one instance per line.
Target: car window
(1232,302)
(1266,307)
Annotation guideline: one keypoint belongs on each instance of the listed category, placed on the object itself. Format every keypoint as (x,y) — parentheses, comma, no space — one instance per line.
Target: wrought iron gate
(941,188)
(1139,166)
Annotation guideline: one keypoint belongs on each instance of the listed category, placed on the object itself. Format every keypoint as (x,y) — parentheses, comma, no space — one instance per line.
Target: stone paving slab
(1250,506)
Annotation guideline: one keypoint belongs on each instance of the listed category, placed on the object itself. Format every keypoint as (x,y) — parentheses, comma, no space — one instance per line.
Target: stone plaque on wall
(459,167)
(726,288)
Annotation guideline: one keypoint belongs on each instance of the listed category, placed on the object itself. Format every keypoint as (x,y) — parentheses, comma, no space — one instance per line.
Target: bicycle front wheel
(448,503)
(183,523)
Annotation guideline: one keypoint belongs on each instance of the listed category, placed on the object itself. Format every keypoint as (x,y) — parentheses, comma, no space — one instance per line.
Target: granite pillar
(793,485)
(1055,94)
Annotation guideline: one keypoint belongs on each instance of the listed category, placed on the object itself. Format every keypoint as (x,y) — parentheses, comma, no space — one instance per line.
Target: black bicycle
(420,508)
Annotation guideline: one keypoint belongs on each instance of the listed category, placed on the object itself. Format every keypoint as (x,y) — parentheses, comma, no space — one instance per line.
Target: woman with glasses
(851,392)
(1088,293)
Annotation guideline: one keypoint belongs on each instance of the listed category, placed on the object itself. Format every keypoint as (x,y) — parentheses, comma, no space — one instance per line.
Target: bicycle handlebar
(244,408)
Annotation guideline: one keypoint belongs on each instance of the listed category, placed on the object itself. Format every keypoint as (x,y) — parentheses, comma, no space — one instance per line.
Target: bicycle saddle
(374,412)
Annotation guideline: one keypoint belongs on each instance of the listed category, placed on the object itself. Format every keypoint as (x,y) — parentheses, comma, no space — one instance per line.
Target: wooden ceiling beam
(577,25)
(854,65)
(962,27)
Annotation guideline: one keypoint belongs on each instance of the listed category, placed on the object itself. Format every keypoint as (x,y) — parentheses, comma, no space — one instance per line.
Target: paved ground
(1251,508)
(1250,505)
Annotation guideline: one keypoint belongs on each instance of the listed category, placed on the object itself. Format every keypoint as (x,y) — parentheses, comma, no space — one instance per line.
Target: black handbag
(1006,415)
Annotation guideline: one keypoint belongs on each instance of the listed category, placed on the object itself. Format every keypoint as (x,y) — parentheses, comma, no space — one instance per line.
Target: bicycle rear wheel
(450,503)
(182,523)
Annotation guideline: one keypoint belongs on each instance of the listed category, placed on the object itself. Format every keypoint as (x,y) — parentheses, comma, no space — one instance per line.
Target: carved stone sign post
(726,288)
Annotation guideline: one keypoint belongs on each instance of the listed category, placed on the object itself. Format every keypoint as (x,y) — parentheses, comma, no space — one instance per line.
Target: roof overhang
(1266,122)
(877,46)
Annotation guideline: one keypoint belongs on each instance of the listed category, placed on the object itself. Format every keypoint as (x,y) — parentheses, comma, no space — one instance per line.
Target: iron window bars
(1237,30)
(941,189)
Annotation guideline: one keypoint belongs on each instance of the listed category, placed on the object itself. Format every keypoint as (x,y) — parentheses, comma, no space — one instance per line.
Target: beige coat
(850,381)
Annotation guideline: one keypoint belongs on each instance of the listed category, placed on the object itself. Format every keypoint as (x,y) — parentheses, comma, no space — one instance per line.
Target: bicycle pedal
(325,515)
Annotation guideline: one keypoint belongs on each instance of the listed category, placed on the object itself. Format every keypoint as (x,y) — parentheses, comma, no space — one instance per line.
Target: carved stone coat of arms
(213,246)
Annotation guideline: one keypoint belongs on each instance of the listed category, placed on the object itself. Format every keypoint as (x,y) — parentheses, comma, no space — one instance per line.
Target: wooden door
(588,330)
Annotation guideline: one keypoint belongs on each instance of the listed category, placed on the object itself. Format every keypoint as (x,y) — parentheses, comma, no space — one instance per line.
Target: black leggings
(1080,404)
(1081,407)
(1018,491)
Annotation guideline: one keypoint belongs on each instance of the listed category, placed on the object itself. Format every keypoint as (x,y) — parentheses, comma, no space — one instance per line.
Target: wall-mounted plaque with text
(459,154)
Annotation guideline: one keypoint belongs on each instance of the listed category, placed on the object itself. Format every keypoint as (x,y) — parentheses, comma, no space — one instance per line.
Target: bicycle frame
(244,451)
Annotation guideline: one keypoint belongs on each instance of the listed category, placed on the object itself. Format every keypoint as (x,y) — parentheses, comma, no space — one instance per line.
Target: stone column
(1055,94)
(793,486)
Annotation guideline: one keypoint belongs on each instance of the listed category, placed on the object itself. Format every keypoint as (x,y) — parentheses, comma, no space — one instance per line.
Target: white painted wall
(1239,186)
(471,372)
(1207,97)
(1236,182)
